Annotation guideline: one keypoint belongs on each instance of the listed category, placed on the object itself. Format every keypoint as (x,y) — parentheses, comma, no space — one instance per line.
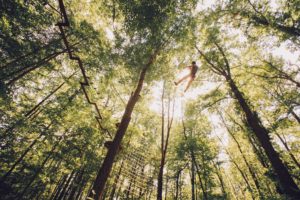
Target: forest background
(89,109)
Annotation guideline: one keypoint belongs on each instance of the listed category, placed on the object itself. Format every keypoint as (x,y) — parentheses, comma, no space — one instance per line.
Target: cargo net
(131,180)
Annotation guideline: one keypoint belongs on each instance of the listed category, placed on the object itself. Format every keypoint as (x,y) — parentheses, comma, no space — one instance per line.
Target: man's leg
(182,79)
(189,83)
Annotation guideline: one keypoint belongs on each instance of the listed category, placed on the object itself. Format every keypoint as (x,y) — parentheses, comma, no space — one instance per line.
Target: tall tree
(165,133)
(218,62)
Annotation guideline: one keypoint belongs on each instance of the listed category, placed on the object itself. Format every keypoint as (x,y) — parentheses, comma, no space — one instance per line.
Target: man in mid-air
(192,75)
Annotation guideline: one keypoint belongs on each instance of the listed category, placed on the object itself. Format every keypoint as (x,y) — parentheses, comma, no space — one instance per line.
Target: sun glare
(181,98)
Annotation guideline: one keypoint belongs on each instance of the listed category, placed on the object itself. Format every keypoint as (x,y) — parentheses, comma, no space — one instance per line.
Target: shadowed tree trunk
(164,143)
(105,169)
(286,181)
(235,195)
(258,18)
(33,52)
(243,175)
(54,169)
(192,154)
(256,148)
(250,168)
(295,116)
(177,183)
(193,180)
(58,187)
(162,161)
(23,155)
(19,122)
(281,138)
(219,175)
(66,185)
(292,31)
(80,190)
(180,188)
(17,75)
(76,184)
(31,111)
(166,186)
(205,195)
(21,195)
(279,97)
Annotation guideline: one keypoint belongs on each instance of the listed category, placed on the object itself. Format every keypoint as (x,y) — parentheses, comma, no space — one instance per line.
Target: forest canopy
(139,99)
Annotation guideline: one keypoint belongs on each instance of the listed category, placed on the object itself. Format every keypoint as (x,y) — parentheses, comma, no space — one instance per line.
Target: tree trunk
(256,148)
(244,178)
(287,183)
(166,186)
(177,184)
(206,185)
(23,155)
(219,175)
(235,195)
(80,190)
(28,69)
(250,168)
(288,149)
(47,97)
(160,179)
(205,195)
(58,187)
(21,121)
(180,188)
(41,102)
(105,169)
(20,73)
(164,144)
(193,180)
(295,116)
(66,185)
(292,31)
(21,195)
(16,60)
(77,182)
(53,169)
(162,160)
(258,151)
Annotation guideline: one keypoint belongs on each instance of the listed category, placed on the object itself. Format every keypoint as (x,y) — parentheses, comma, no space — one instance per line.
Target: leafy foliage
(52,141)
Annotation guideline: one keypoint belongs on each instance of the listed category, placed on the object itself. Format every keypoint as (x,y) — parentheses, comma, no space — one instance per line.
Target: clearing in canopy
(150,100)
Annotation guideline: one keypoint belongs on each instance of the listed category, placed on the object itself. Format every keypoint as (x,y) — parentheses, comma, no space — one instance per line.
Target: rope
(65,23)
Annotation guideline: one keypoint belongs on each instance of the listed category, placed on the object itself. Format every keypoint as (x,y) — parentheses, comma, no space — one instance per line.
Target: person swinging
(192,75)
